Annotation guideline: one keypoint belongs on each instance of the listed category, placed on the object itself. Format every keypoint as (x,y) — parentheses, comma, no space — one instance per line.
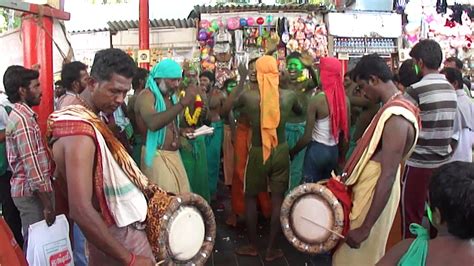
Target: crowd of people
(394,139)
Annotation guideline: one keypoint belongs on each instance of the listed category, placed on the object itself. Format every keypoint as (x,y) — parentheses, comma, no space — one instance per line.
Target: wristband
(132,260)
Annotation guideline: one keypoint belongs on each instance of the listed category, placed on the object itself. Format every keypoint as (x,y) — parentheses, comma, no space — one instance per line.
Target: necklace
(398,93)
(193,119)
(84,103)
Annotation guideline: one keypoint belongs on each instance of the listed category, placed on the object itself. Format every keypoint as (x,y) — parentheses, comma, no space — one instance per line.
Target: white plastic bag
(49,245)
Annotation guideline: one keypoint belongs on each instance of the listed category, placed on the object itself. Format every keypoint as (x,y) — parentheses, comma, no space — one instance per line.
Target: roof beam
(35,9)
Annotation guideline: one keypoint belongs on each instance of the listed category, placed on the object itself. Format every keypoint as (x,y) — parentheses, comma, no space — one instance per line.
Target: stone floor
(229,238)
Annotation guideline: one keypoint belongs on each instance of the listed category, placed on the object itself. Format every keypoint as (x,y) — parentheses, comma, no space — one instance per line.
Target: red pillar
(144,29)
(38,49)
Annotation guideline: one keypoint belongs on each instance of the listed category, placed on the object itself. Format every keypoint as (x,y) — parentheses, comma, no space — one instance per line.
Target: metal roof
(198,10)
(122,25)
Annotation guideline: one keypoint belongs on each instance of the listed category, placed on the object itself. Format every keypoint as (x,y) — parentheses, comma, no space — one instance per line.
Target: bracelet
(132,260)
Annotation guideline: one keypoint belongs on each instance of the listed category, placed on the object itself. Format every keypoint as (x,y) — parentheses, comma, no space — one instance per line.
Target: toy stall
(353,34)
(447,22)
(227,39)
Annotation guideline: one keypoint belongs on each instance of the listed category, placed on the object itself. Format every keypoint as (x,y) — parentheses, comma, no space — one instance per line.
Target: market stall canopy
(122,25)
(305,8)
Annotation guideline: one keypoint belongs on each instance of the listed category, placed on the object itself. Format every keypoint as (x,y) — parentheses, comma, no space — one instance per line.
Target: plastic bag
(49,245)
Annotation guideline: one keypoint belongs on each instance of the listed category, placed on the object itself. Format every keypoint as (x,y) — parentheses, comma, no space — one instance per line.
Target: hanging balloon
(210,42)
(243,22)
(233,23)
(210,29)
(215,25)
(260,21)
(250,21)
(204,24)
(202,35)
(269,19)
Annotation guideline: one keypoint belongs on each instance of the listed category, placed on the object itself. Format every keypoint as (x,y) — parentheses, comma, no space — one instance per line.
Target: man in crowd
(304,89)
(454,62)
(138,85)
(59,91)
(435,145)
(9,210)
(156,112)
(268,161)
(74,77)
(374,167)
(464,117)
(112,230)
(31,187)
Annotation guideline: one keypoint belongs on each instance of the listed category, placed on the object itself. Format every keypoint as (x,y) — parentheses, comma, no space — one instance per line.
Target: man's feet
(273,254)
(247,250)
(232,220)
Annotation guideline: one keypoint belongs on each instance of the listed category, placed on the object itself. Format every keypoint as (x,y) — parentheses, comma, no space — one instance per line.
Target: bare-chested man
(156,111)
(304,89)
(374,167)
(268,159)
(215,99)
(84,170)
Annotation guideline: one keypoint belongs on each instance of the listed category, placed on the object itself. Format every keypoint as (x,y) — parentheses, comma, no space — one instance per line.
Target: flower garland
(198,104)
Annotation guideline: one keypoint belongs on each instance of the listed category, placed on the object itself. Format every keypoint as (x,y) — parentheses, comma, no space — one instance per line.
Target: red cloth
(343,194)
(333,87)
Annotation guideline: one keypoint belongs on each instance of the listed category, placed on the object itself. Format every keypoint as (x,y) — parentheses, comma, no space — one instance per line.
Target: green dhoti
(137,149)
(193,154)
(295,131)
(213,152)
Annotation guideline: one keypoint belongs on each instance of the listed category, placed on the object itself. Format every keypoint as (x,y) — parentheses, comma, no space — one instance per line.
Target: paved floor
(228,239)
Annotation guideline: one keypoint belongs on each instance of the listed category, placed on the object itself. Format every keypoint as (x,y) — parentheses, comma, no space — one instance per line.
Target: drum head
(181,229)
(186,233)
(308,215)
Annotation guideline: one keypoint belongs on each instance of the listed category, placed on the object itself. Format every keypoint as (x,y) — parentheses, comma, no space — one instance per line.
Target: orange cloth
(228,155)
(268,84)
(10,252)
(241,148)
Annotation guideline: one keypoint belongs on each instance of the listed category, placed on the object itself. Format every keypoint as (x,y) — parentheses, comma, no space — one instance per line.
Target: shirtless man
(269,153)
(374,168)
(304,89)
(75,152)
(215,99)
(156,110)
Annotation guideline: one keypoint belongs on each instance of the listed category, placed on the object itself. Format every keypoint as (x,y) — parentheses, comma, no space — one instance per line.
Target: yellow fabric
(363,181)
(268,84)
(373,248)
(167,172)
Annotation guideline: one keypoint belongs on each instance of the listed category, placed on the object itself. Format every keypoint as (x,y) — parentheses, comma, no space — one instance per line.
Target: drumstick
(316,223)
(160,262)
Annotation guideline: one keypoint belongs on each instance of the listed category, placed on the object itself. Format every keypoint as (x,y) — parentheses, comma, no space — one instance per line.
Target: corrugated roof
(198,10)
(122,25)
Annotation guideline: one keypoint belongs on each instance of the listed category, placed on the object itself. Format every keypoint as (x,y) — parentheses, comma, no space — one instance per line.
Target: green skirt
(213,151)
(193,154)
(295,131)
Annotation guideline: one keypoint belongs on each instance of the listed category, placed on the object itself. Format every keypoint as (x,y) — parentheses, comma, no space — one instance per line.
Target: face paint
(231,86)
(295,64)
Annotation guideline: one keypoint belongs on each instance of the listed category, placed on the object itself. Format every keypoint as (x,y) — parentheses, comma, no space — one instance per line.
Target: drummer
(375,180)
(268,160)
(81,174)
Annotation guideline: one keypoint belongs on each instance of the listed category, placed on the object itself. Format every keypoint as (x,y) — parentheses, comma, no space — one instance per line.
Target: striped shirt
(437,101)
(27,154)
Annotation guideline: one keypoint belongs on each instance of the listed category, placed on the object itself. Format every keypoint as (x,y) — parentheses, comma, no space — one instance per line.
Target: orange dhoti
(241,148)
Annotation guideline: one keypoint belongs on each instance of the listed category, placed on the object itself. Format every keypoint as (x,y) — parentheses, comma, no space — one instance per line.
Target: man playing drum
(374,166)
(268,161)
(108,210)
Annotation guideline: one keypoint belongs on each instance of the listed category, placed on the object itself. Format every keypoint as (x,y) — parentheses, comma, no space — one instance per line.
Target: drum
(181,228)
(312,218)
